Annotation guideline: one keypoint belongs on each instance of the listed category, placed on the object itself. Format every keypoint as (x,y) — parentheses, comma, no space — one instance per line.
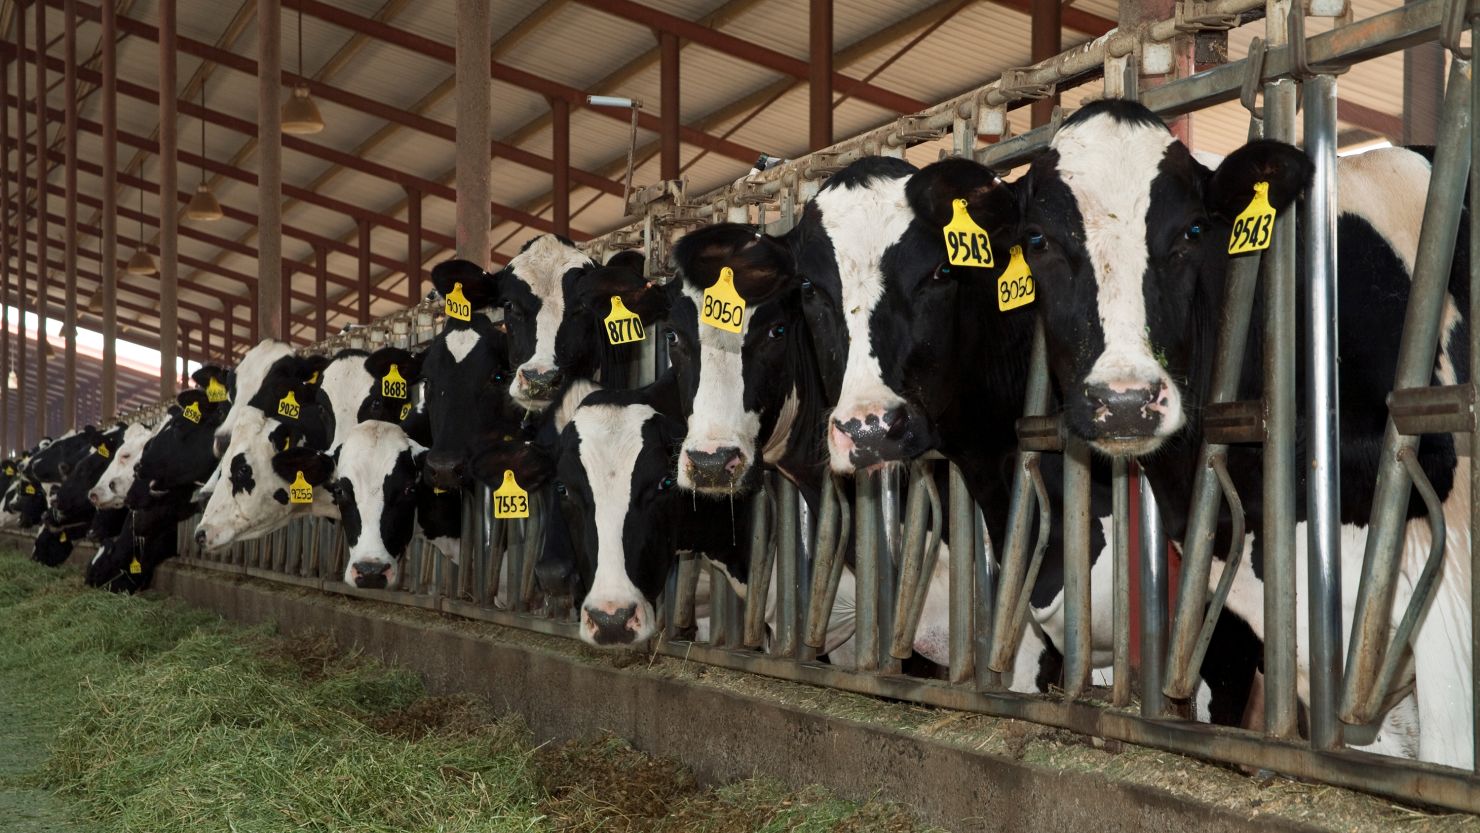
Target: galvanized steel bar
(760,570)
(1373,618)
(790,560)
(834,530)
(1153,602)
(1120,500)
(1474,438)
(871,550)
(1077,618)
(961,665)
(1322,432)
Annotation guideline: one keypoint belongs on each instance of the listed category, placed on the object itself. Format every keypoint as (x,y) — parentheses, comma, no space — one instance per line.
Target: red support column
(819,76)
(23,254)
(169,230)
(69,328)
(671,118)
(228,340)
(413,248)
(43,174)
(560,152)
(364,272)
(108,265)
(6,394)
(1047,34)
(322,290)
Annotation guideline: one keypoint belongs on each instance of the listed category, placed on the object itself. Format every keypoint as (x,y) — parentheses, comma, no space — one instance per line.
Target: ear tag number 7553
(724,309)
(1253,228)
(509,499)
(623,326)
(967,243)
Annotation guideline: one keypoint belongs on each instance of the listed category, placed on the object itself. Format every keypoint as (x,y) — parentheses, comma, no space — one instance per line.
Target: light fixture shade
(301,114)
(141,263)
(12,380)
(203,205)
(95,304)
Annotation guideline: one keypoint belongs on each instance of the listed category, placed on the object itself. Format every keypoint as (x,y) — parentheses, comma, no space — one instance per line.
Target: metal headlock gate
(897,520)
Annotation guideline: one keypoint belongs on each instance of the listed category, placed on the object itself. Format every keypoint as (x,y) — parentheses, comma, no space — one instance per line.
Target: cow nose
(444,469)
(608,624)
(1126,409)
(200,537)
(371,574)
(539,384)
(878,437)
(723,466)
(94,497)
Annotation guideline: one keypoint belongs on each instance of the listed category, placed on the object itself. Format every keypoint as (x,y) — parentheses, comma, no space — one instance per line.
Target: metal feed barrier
(896,521)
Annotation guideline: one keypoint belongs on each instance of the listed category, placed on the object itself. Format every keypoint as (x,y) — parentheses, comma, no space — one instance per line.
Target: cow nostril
(896,422)
(200,537)
(619,626)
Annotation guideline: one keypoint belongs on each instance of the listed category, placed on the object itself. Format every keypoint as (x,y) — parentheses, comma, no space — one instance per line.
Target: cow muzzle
(1127,418)
(875,437)
(537,387)
(444,470)
(371,574)
(614,623)
(718,469)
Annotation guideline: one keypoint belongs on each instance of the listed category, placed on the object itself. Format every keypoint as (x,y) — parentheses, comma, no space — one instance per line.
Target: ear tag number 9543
(966,242)
(300,491)
(458,305)
(1254,226)
(724,309)
(393,384)
(1015,286)
(509,499)
(623,326)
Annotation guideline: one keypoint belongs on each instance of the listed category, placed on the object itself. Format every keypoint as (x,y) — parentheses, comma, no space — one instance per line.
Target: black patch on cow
(241,475)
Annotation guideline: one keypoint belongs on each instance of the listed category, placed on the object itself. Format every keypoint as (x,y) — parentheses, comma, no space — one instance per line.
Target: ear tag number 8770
(623,326)
(509,499)
(393,384)
(724,309)
(967,243)
(1254,227)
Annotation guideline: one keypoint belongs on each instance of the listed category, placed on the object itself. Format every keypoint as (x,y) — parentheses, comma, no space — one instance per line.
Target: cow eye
(1036,241)
(942,272)
(670,336)
(1193,232)
(777,331)
(666,483)
(559,488)
(807,288)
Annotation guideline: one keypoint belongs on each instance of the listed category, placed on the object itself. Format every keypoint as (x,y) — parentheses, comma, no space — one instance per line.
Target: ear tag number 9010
(723,309)
(967,243)
(623,326)
(510,500)
(1254,226)
(458,305)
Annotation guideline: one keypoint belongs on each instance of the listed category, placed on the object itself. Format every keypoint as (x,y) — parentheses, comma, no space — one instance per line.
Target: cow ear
(309,367)
(761,265)
(317,467)
(478,286)
(195,397)
(408,364)
(595,289)
(932,194)
(629,259)
(1285,167)
(203,375)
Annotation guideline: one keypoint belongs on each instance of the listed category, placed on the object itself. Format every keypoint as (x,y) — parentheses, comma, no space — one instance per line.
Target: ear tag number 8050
(458,305)
(623,326)
(1254,226)
(288,406)
(724,309)
(300,491)
(1015,286)
(966,242)
(393,384)
(510,500)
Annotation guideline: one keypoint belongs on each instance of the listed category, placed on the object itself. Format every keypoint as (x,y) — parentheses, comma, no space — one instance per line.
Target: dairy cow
(1127,236)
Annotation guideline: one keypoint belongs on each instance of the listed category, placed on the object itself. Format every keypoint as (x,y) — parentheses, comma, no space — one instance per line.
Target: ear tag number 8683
(966,242)
(1254,227)
(510,500)
(623,326)
(392,384)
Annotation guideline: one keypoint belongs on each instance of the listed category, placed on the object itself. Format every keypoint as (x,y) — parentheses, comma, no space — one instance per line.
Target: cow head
(465,378)
(53,460)
(72,504)
(245,381)
(394,374)
(1127,236)
(24,503)
(374,479)
(182,453)
(113,484)
(534,290)
(618,488)
(243,504)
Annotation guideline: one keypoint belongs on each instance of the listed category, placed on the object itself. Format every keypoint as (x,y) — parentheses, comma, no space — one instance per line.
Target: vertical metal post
(962,527)
(671,119)
(819,75)
(413,247)
(43,236)
(1153,602)
(1047,22)
(1323,484)
(473,136)
(285,312)
(321,290)
(560,154)
(1278,534)
(108,256)
(1474,316)
(23,431)
(6,250)
(169,230)
(1120,498)
(788,557)
(69,257)
(364,304)
(270,169)
(1077,618)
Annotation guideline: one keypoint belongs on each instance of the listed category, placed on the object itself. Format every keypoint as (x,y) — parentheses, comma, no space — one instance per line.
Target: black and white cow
(53,460)
(180,455)
(1127,236)
(71,508)
(113,484)
(24,504)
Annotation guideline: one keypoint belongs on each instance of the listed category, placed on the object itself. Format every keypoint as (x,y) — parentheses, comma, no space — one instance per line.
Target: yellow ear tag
(300,490)
(724,309)
(1015,286)
(392,384)
(10,471)
(509,500)
(103,452)
(314,379)
(62,538)
(623,326)
(1254,227)
(457,304)
(288,406)
(438,491)
(405,411)
(30,489)
(192,412)
(134,567)
(215,391)
(967,242)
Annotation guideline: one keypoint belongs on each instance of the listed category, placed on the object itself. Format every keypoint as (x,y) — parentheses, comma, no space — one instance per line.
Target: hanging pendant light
(141,262)
(300,113)
(12,381)
(203,206)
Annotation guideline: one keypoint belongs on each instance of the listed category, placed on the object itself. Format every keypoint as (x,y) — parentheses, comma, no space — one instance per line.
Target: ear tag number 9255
(510,500)
(1015,286)
(393,384)
(623,326)
(300,491)
(724,309)
(1254,226)
(966,242)
(458,305)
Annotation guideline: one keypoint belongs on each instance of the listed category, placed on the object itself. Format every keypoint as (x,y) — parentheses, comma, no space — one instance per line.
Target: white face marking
(367,456)
(112,487)
(460,342)
(862,222)
(611,440)
(1109,166)
(347,384)
(542,268)
(575,393)
(229,517)
(720,418)
(249,375)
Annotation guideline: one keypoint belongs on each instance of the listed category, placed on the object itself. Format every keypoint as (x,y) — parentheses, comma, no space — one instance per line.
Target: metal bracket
(1014,85)
(1231,423)
(1456,17)
(1040,433)
(1199,16)
(1253,79)
(1431,410)
(1300,68)
(912,130)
